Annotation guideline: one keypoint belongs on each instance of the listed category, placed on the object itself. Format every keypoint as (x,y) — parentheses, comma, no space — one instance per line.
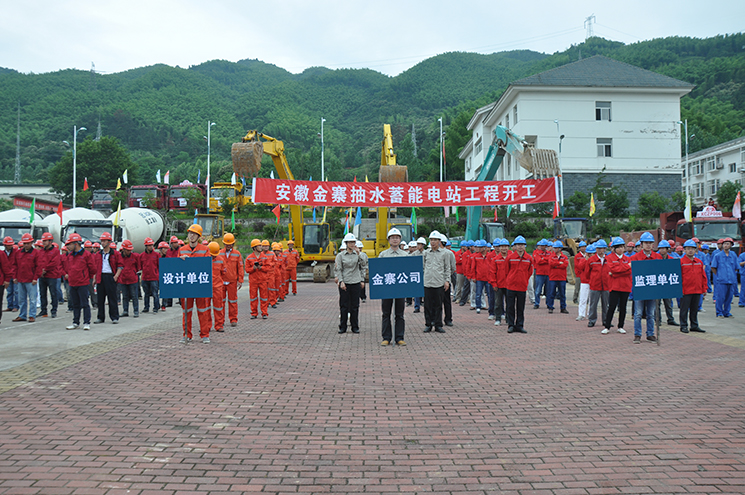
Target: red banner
(390,194)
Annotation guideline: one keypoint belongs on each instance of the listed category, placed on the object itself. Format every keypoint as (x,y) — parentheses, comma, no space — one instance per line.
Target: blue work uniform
(740,261)
(725,281)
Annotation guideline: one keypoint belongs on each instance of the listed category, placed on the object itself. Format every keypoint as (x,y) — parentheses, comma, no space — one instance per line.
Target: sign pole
(657,319)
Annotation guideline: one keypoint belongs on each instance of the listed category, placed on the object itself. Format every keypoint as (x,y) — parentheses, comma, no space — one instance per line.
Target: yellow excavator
(312,239)
(390,171)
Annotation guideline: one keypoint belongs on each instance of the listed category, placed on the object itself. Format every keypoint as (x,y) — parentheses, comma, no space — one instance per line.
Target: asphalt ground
(287,405)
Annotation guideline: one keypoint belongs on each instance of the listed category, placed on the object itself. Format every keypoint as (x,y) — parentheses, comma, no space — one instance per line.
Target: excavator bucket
(394,173)
(247,158)
(541,163)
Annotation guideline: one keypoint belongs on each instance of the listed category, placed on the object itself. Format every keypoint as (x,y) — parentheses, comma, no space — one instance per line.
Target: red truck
(137,195)
(176,199)
(709,225)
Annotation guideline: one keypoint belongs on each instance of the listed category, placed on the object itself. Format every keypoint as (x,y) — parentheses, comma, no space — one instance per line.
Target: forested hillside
(160,113)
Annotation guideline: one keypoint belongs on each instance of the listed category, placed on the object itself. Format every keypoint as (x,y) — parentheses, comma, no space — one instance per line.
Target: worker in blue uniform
(724,266)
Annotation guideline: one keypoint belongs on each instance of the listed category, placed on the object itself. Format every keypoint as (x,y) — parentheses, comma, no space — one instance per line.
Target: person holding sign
(193,249)
(257,266)
(437,272)
(650,306)
(693,274)
(619,267)
(519,270)
(349,270)
(394,240)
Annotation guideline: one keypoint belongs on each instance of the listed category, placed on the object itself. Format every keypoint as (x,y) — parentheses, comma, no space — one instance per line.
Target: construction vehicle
(539,162)
(101,200)
(235,193)
(708,226)
(213,227)
(137,196)
(177,201)
(312,239)
(571,231)
(16,222)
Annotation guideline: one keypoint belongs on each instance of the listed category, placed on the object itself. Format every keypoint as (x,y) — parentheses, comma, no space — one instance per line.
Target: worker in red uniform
(280,271)
(482,273)
(540,260)
(695,285)
(80,267)
(293,258)
(499,279)
(10,252)
(233,277)
(195,249)
(271,277)
(28,271)
(650,306)
(51,273)
(599,277)
(219,272)
(6,272)
(257,267)
(150,266)
(619,268)
(557,276)
(519,270)
(127,282)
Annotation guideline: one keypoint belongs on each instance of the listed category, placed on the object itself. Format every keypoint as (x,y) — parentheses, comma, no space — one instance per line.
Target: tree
(119,196)
(577,205)
(102,162)
(616,202)
(726,195)
(194,198)
(651,204)
(677,201)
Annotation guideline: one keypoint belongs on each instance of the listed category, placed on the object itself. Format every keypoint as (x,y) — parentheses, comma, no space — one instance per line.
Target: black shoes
(355,330)
(697,329)
(651,338)
(448,323)
(416,311)
(511,330)
(521,330)
(97,322)
(564,311)
(440,330)
(550,311)
(342,330)
(124,315)
(590,325)
(427,329)
(673,323)
(684,330)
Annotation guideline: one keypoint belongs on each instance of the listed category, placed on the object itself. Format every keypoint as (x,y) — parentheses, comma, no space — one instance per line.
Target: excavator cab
(316,237)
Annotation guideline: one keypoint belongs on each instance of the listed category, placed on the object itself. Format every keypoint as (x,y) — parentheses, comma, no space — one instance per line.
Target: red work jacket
(50,262)
(130,267)
(598,273)
(580,266)
(81,268)
(114,261)
(619,268)
(28,268)
(557,267)
(499,277)
(150,265)
(694,276)
(519,270)
(481,267)
(540,260)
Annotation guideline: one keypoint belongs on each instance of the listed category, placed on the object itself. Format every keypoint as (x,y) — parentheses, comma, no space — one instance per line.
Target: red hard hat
(38,243)
(205,243)
(180,242)
(720,241)
(149,241)
(695,239)
(127,244)
(8,241)
(630,244)
(74,238)
(679,249)
(174,238)
(106,236)
(112,245)
(88,244)
(27,238)
(163,245)
(729,239)
(672,243)
(47,236)
(96,245)
(64,248)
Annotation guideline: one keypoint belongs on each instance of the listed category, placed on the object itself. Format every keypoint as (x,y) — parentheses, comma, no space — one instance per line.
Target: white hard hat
(349,238)
(412,244)
(421,241)
(435,235)
(443,238)
(394,231)
(359,244)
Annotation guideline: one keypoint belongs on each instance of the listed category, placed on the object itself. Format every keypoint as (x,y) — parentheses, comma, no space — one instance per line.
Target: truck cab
(137,195)
(101,200)
(15,230)
(88,230)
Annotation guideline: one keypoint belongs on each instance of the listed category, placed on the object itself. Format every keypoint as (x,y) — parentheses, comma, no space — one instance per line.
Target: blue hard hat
(465,243)
(448,243)
(519,240)
(497,242)
(582,244)
(487,243)
(601,244)
(591,248)
(664,244)
(638,243)
(646,237)
(617,241)
(504,242)
(690,243)
(480,243)
(557,244)
(542,242)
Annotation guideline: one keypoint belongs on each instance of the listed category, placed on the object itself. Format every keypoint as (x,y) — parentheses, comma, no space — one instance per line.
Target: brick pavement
(287,405)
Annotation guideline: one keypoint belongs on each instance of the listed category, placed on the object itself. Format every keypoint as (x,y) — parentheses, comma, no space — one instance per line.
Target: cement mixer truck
(135,224)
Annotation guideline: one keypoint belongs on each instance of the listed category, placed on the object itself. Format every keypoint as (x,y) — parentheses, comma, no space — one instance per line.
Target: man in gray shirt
(394,239)
(436,282)
(349,270)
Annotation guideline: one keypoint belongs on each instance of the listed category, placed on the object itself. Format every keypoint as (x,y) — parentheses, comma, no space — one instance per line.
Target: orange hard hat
(228,238)
(214,248)
(255,242)
(196,228)
(264,242)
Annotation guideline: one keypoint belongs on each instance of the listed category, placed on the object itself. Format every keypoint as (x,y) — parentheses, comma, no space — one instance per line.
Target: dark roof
(599,71)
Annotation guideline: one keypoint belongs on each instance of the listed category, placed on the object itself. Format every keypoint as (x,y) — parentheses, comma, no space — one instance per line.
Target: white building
(600,115)
(710,168)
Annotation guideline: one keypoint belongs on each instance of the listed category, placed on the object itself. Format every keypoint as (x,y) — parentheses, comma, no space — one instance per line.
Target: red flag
(276,210)
(59,212)
(355,179)
(85,184)
(495,214)
(556,209)
(444,160)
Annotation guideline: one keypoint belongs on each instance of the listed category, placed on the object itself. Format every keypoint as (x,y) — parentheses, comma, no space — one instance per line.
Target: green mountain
(160,113)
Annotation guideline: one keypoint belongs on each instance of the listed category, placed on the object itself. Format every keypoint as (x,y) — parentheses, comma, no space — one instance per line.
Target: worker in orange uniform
(219,272)
(271,279)
(234,277)
(279,271)
(195,249)
(293,258)
(257,267)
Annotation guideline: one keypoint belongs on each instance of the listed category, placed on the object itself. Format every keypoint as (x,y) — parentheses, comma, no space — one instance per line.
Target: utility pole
(588,24)
(413,139)
(440,119)
(17,178)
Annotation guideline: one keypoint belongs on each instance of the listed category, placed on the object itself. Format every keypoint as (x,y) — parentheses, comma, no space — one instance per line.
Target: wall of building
(634,184)
(709,169)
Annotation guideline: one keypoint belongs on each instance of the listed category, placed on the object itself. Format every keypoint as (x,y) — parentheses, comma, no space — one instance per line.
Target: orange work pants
(218,305)
(231,297)
(203,313)
(292,276)
(273,290)
(257,290)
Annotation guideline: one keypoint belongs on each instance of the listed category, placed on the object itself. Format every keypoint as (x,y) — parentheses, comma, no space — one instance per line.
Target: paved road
(287,405)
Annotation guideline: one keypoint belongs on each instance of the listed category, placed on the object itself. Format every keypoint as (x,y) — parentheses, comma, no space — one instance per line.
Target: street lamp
(75,162)
(687,172)
(322,173)
(208,138)
(561,173)
(440,120)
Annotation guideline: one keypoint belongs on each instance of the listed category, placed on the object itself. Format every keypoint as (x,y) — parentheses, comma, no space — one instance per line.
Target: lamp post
(208,137)
(440,120)
(75,162)
(687,172)
(322,149)
(561,172)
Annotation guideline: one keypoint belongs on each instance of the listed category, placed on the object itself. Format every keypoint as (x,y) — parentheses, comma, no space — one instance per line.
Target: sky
(45,36)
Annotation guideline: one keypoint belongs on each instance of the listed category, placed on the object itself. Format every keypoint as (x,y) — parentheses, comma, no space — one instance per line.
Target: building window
(509,162)
(602,110)
(733,168)
(711,164)
(479,147)
(742,156)
(514,114)
(605,146)
(713,186)
(507,121)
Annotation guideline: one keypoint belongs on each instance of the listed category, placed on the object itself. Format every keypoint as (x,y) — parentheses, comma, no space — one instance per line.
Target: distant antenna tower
(17,178)
(588,24)
(413,139)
